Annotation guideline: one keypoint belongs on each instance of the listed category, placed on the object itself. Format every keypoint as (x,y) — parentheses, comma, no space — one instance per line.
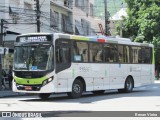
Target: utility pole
(1,43)
(106,27)
(106,18)
(38,15)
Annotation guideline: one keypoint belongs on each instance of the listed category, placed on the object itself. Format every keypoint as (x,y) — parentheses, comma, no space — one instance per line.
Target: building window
(27,5)
(66,24)
(86,4)
(78,3)
(85,26)
(54,19)
(83,5)
(68,3)
(14,3)
(13,10)
(78,28)
(91,10)
(27,10)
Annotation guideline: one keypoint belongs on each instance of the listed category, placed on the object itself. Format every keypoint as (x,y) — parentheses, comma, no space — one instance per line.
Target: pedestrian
(10,77)
(3,78)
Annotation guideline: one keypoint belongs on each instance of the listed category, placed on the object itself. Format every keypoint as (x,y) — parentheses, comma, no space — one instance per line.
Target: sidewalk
(10,93)
(6,92)
(157,81)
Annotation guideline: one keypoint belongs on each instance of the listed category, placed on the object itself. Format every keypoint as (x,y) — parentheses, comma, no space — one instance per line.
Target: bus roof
(104,39)
(98,38)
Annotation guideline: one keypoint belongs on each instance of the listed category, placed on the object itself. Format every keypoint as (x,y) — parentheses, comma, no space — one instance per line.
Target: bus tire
(77,89)
(99,92)
(128,87)
(44,96)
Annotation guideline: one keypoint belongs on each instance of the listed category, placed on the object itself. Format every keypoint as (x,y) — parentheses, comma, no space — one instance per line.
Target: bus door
(63,62)
(135,69)
(97,65)
(146,71)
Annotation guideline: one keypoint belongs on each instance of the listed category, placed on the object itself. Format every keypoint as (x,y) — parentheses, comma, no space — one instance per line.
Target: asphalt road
(112,103)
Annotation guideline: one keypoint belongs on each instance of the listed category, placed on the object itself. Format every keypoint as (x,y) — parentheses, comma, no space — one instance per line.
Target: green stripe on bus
(153,58)
(28,81)
(80,38)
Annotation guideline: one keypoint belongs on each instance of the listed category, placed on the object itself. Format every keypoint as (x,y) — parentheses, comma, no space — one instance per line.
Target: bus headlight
(47,81)
(50,79)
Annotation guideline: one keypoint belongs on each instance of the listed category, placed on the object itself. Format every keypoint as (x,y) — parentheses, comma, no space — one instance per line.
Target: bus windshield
(33,57)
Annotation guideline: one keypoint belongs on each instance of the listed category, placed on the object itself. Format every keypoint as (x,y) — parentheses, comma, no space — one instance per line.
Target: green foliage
(143,23)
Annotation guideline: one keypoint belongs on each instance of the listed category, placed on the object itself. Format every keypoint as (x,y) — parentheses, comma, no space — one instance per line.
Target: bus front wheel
(128,87)
(77,89)
(44,96)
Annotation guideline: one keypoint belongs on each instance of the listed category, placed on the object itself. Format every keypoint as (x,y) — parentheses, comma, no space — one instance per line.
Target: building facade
(117,19)
(65,16)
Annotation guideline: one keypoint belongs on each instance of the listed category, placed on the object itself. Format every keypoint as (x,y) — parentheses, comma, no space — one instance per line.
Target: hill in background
(113,6)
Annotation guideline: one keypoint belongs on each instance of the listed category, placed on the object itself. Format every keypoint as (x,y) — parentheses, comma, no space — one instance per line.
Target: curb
(12,94)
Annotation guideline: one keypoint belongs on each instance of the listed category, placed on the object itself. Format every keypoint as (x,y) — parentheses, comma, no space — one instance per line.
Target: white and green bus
(46,63)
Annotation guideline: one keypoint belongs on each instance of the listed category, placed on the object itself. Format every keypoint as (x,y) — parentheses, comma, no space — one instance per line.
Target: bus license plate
(28,88)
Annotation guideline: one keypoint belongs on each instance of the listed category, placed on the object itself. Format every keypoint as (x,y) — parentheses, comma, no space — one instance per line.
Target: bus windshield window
(35,57)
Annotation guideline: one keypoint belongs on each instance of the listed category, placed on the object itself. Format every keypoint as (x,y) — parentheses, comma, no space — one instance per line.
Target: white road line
(155,87)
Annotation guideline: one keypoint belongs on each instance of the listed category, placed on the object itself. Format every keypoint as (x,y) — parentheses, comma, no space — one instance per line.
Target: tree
(143,23)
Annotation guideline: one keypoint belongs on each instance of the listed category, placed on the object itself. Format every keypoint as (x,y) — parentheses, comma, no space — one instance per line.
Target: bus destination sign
(33,39)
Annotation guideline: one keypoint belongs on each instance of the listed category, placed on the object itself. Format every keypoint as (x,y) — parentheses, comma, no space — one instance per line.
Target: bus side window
(80,53)
(121,53)
(146,55)
(63,55)
(110,53)
(96,52)
(58,56)
(77,57)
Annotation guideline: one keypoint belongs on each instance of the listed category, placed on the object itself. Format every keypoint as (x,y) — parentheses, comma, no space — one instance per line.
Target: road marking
(155,87)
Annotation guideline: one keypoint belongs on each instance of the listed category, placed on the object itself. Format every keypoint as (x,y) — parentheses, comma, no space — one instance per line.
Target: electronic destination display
(34,38)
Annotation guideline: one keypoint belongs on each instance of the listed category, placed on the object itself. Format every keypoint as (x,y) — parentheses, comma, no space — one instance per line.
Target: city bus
(46,63)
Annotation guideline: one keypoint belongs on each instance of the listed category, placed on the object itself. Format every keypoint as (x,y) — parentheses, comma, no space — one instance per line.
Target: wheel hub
(76,88)
(129,85)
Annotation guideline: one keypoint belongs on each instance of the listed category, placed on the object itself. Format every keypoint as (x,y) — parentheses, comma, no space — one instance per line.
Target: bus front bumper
(48,88)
